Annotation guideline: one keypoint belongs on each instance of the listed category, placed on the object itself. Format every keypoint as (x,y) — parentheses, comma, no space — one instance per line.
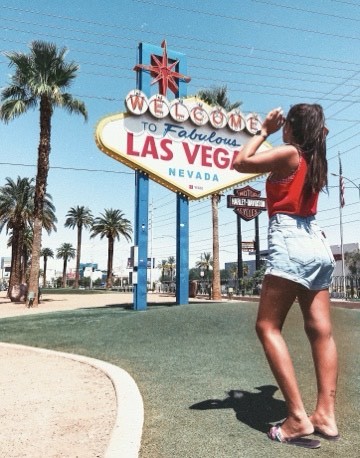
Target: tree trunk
(35,260)
(44,276)
(40,190)
(64,273)
(110,262)
(15,292)
(216,287)
(24,266)
(78,253)
(11,273)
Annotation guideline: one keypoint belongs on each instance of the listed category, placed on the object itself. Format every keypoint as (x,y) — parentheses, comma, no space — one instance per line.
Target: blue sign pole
(141,240)
(182,224)
(182,250)
(141,210)
(142,200)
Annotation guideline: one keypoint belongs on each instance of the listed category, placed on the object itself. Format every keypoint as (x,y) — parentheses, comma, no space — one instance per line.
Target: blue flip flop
(275,434)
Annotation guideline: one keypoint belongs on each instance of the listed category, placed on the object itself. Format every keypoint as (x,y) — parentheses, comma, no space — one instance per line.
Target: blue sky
(267,53)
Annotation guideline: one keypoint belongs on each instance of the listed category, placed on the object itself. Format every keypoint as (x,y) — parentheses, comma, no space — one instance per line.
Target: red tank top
(285,195)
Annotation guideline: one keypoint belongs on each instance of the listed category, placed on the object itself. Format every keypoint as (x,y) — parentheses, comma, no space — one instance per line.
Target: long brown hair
(308,134)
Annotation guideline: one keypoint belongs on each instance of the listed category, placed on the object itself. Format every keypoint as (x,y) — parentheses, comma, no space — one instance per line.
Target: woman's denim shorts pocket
(298,251)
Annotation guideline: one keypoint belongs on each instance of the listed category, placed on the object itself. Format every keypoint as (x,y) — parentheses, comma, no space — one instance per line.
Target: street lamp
(348,179)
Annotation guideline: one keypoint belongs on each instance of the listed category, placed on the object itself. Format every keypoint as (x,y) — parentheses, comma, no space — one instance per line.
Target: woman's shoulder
(289,158)
(287,148)
(290,153)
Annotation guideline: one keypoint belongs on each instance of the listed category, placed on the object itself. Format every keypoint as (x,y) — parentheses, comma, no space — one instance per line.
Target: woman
(300,265)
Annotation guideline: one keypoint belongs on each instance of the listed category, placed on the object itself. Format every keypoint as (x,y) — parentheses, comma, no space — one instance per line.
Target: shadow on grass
(257,410)
(129,306)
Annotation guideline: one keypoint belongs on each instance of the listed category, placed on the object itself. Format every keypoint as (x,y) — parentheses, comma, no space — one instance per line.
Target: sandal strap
(275,434)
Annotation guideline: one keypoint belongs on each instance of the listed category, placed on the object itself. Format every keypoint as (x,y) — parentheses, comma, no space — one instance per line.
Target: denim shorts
(298,251)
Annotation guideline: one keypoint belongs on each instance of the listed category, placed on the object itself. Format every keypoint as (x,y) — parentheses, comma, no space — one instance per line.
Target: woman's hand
(282,159)
(273,122)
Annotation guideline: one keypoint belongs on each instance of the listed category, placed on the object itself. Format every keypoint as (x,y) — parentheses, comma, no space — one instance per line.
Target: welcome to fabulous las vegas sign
(184,144)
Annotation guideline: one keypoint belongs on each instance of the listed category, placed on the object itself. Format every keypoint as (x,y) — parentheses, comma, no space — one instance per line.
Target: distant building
(336,251)
(90,270)
(86,268)
(250,263)
(5,269)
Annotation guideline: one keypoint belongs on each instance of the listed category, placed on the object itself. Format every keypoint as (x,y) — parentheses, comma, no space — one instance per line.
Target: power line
(303,10)
(233,45)
(250,21)
(265,93)
(68,168)
(345,2)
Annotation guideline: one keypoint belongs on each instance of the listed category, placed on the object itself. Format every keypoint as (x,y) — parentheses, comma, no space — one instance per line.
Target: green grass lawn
(206,385)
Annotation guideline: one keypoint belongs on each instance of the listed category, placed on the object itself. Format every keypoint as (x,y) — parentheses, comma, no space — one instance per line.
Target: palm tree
(216,96)
(16,213)
(66,252)
(216,283)
(16,209)
(42,78)
(26,250)
(205,263)
(78,217)
(245,267)
(162,265)
(20,276)
(233,271)
(171,264)
(46,253)
(111,224)
(352,261)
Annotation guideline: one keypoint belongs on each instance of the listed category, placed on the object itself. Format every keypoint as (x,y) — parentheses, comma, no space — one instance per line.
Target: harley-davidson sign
(185,145)
(246,202)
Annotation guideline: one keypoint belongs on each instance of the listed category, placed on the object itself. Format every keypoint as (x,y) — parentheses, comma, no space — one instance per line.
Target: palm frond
(12,109)
(72,105)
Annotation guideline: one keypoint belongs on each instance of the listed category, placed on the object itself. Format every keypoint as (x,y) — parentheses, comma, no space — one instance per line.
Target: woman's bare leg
(315,306)
(277,296)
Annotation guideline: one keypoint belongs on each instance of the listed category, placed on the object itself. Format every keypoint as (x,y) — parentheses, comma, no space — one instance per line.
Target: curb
(126,435)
